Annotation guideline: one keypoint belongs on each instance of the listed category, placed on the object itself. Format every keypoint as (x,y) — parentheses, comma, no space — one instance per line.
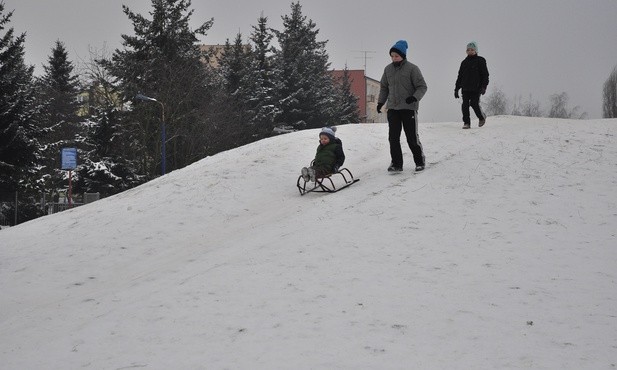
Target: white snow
(500,255)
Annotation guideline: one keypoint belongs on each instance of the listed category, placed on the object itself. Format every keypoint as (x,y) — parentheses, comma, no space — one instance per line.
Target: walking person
(473,80)
(402,86)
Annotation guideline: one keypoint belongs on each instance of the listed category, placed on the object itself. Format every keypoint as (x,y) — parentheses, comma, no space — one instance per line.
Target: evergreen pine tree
(58,90)
(259,82)
(233,128)
(261,38)
(234,65)
(104,166)
(347,105)
(163,60)
(104,169)
(305,90)
(19,129)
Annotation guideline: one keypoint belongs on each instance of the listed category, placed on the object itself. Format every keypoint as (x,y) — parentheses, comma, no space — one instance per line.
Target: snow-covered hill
(501,254)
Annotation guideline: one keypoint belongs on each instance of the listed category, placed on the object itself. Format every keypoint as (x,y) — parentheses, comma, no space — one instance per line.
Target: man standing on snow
(402,85)
(473,79)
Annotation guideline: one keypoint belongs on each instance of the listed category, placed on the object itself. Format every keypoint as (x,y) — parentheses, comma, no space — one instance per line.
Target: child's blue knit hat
(473,45)
(400,47)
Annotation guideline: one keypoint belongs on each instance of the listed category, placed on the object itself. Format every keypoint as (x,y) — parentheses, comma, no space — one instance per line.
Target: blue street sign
(69,158)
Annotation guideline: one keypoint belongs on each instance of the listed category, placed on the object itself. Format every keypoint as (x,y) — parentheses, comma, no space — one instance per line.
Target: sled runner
(328,184)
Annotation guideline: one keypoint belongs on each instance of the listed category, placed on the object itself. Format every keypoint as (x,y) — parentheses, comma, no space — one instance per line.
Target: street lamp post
(163,138)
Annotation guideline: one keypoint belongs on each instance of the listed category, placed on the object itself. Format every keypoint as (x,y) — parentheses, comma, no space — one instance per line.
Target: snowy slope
(501,254)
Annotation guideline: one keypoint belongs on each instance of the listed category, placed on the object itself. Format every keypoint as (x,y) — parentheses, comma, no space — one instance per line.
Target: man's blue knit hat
(400,47)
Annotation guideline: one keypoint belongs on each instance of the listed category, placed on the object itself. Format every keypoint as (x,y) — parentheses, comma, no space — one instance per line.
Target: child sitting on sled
(329,157)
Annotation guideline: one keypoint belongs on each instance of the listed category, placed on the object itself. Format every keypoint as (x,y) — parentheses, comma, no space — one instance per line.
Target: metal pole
(163,135)
(15,208)
(70,190)
(163,147)
(163,140)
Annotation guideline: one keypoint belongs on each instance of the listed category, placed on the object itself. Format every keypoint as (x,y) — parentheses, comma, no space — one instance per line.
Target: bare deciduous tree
(516,106)
(559,108)
(496,103)
(609,96)
(531,108)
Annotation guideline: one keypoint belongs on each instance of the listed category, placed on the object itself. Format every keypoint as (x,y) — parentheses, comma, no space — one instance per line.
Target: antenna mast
(365,52)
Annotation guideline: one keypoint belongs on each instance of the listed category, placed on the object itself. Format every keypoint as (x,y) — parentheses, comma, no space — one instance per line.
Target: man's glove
(411,99)
(455,93)
(483,90)
(379,105)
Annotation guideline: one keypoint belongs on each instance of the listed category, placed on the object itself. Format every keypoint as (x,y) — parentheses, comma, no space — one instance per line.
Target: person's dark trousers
(399,120)
(471,99)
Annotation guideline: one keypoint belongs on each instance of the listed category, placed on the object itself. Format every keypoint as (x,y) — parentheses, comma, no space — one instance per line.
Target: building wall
(372,94)
(358,87)
(367,91)
(216,51)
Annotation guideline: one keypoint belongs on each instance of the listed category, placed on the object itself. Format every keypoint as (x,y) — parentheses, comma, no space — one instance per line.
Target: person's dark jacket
(340,155)
(329,157)
(473,74)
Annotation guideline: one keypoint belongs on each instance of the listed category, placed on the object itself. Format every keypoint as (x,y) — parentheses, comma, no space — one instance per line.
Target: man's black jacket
(473,74)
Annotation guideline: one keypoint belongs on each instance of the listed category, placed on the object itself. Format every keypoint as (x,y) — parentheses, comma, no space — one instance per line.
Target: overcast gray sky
(537,47)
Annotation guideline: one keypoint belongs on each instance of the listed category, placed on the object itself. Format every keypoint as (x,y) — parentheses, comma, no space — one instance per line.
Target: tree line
(275,81)
(497,103)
